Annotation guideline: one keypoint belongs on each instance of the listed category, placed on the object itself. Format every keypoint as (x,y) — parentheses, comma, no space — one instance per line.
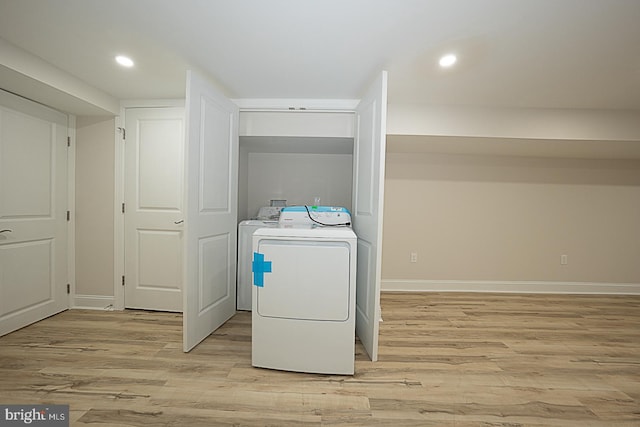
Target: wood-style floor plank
(446,359)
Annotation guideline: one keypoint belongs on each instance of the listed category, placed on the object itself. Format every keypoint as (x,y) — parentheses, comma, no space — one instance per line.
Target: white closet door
(33,205)
(154,176)
(368,193)
(211,210)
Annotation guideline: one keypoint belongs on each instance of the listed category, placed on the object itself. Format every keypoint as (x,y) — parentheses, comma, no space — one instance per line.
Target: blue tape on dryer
(259,267)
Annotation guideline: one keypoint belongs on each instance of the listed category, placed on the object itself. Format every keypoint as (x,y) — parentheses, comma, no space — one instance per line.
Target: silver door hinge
(123,131)
(123,208)
(68,288)
(122,280)
(68,216)
(68,141)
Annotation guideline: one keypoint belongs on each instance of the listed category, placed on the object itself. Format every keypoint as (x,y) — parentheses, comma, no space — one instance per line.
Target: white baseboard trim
(530,287)
(93,302)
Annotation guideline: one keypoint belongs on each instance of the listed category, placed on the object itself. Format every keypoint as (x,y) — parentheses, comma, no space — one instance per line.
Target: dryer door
(309,280)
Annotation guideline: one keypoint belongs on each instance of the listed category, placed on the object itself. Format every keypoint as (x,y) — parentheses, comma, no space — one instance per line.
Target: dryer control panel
(314,215)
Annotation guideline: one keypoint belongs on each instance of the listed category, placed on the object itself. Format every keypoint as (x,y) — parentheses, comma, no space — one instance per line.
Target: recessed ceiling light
(447,60)
(124,61)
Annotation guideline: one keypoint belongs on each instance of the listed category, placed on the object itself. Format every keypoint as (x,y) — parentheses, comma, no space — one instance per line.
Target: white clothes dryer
(303,297)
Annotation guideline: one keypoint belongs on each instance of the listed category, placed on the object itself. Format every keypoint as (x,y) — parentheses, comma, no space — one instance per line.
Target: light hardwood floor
(445,360)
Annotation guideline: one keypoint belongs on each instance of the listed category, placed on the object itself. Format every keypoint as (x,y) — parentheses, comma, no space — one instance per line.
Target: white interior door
(368,193)
(154,177)
(211,210)
(33,205)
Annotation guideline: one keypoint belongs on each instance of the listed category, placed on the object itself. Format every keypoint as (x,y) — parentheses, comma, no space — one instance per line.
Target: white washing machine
(303,298)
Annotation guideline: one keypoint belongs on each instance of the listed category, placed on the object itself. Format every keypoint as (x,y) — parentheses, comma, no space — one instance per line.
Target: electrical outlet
(414,256)
(564,259)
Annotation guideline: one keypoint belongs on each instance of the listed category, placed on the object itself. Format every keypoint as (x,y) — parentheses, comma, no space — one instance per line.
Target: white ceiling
(512,53)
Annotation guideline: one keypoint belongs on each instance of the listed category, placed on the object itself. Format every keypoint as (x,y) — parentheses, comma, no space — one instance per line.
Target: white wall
(298,178)
(94,211)
(490,198)
(502,223)
(295,168)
